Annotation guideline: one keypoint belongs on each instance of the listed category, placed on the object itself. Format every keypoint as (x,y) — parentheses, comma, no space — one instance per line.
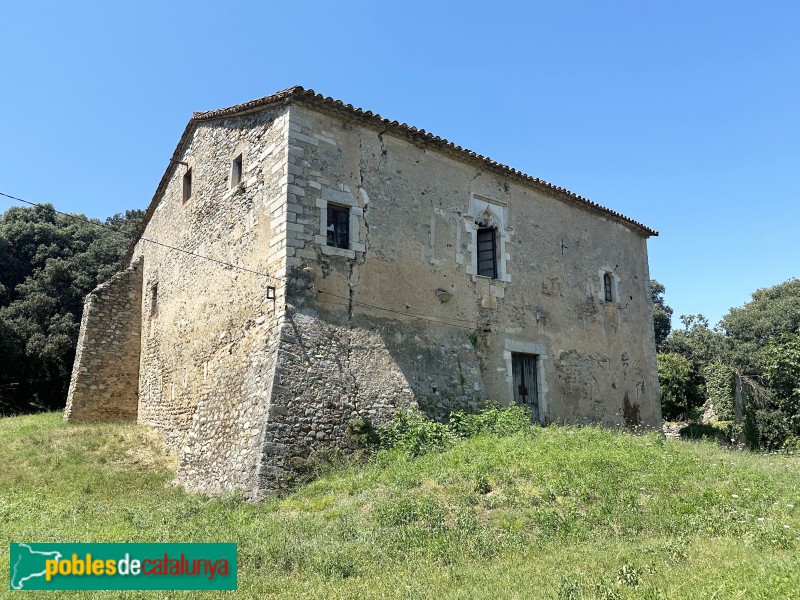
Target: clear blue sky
(682,115)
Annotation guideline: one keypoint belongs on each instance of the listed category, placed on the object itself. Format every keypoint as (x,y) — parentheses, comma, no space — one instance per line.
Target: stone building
(304,262)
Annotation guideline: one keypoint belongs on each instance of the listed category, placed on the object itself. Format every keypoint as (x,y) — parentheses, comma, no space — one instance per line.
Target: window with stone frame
(487,252)
(609,285)
(608,289)
(338,229)
(487,224)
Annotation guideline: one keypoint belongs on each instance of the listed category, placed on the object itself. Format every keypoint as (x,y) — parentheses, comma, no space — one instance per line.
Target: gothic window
(487,252)
(489,230)
(338,226)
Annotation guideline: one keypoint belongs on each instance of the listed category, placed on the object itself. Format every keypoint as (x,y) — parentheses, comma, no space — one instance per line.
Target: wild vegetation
(755,347)
(557,512)
(48,263)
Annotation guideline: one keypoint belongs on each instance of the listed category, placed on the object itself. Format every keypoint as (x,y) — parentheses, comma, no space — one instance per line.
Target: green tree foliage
(48,263)
(676,379)
(757,344)
(772,311)
(721,388)
(764,345)
(662,314)
(697,342)
(781,362)
(701,346)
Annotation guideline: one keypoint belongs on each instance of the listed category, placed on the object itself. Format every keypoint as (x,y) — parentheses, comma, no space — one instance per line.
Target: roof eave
(419,137)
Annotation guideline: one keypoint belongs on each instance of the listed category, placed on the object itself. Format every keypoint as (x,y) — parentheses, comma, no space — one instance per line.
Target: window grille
(338,227)
(487,252)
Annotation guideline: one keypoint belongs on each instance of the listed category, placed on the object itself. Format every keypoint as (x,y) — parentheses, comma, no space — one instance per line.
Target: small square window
(236,171)
(187,185)
(338,226)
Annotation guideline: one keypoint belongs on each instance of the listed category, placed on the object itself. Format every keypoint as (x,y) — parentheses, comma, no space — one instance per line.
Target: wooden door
(525,382)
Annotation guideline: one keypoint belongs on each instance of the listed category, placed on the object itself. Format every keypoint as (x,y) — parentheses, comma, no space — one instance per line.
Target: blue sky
(681,115)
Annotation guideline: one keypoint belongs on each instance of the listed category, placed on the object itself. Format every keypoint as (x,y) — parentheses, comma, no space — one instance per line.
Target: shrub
(412,432)
(708,431)
(496,419)
(767,429)
(678,388)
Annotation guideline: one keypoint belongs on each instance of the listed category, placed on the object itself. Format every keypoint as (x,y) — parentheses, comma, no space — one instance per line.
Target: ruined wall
(208,348)
(406,303)
(105,374)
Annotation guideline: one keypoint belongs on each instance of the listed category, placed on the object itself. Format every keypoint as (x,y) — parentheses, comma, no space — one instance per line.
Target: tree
(678,389)
(701,346)
(771,312)
(756,345)
(662,314)
(697,342)
(48,263)
(781,362)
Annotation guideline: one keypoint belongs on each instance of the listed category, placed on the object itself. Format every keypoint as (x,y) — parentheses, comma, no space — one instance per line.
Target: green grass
(547,513)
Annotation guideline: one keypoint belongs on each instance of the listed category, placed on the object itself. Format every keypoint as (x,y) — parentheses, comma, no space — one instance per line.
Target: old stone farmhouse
(304,262)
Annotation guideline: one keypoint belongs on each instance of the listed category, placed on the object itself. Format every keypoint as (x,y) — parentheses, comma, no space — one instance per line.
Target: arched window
(607,287)
(487,252)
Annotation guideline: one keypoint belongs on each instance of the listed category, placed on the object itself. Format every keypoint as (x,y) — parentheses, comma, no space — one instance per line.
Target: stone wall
(330,371)
(208,352)
(105,374)
(408,281)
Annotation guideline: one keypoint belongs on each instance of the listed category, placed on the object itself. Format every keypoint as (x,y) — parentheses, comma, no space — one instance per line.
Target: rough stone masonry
(334,265)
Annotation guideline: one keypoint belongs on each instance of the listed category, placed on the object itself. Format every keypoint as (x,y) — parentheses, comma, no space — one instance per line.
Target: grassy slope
(554,513)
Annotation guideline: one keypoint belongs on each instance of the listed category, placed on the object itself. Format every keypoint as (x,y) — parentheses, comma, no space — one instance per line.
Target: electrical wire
(442,320)
(144,239)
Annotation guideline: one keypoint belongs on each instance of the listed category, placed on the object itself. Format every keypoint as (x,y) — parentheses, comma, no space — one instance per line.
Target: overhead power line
(442,320)
(144,239)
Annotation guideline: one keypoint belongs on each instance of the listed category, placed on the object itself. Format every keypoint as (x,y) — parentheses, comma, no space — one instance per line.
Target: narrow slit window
(187,185)
(338,226)
(607,288)
(487,252)
(154,300)
(236,171)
